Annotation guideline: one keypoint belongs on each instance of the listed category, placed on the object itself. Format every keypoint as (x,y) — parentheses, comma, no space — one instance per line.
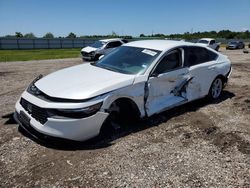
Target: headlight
(92,53)
(32,89)
(75,113)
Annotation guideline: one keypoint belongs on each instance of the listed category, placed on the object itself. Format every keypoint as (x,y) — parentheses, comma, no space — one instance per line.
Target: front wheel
(96,57)
(216,88)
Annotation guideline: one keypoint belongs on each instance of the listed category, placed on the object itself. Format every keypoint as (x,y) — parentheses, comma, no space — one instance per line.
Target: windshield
(128,60)
(203,41)
(97,44)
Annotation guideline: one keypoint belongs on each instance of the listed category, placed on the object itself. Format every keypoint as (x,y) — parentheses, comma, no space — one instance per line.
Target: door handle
(211,67)
(182,74)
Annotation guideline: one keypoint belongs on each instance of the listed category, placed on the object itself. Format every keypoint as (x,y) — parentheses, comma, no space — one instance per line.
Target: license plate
(24,118)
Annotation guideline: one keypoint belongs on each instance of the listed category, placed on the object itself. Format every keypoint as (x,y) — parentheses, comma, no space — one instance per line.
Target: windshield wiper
(104,67)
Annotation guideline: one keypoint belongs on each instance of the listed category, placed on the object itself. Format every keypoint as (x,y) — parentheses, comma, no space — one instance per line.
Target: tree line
(225,34)
(71,35)
(48,35)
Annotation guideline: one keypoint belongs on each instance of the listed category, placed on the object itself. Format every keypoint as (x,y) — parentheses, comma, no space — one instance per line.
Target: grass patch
(25,55)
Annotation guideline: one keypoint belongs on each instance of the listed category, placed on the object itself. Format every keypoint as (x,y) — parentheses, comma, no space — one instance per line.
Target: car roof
(208,39)
(111,40)
(160,45)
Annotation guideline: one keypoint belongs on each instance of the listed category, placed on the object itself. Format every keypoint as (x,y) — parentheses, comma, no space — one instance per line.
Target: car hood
(82,82)
(89,49)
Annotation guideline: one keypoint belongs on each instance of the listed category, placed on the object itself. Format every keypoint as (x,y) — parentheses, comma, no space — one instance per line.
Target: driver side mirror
(154,74)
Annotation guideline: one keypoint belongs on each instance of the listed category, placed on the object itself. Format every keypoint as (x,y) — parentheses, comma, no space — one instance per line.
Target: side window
(124,40)
(212,42)
(197,55)
(169,62)
(212,56)
(190,56)
(114,44)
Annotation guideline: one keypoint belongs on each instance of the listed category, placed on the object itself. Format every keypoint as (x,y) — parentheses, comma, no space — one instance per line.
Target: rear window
(203,41)
(114,44)
(124,40)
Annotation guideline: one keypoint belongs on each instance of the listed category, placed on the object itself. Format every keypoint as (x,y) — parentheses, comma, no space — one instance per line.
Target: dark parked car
(235,45)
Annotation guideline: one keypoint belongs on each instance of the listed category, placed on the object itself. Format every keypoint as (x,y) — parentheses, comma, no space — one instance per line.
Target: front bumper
(87,56)
(72,129)
(231,47)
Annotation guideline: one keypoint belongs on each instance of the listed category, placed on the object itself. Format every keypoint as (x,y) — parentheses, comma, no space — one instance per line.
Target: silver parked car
(235,45)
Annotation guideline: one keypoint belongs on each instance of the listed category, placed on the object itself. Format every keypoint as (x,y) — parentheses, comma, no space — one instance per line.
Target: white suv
(138,79)
(209,43)
(101,47)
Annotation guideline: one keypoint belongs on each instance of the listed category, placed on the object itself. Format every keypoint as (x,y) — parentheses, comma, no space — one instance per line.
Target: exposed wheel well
(128,105)
(122,111)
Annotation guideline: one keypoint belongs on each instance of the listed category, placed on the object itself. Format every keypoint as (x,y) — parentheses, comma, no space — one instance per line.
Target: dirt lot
(196,145)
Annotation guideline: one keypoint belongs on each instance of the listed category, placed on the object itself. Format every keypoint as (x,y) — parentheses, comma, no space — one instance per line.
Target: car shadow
(108,140)
(10,119)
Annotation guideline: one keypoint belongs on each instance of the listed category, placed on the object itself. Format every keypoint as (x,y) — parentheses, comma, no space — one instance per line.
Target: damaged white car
(138,79)
(101,47)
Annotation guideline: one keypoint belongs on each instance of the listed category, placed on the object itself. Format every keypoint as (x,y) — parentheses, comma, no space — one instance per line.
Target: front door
(166,85)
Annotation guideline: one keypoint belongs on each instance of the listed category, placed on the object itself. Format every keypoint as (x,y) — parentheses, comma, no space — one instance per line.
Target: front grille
(85,54)
(40,114)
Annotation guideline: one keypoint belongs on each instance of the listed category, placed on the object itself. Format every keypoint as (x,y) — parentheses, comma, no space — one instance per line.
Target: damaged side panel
(167,90)
(134,92)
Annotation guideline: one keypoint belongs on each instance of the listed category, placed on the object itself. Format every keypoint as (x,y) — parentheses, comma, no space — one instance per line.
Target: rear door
(165,81)
(201,64)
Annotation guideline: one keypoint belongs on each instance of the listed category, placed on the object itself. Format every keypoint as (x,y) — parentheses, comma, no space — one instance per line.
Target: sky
(124,17)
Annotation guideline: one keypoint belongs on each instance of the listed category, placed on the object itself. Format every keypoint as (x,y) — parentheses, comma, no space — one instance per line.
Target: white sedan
(138,79)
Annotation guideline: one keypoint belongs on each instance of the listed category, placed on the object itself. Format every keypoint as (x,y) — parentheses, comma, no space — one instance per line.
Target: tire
(217,48)
(216,88)
(96,58)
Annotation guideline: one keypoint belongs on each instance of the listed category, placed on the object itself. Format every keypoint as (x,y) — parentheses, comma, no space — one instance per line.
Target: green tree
(48,35)
(71,35)
(10,36)
(142,35)
(114,34)
(29,35)
(18,35)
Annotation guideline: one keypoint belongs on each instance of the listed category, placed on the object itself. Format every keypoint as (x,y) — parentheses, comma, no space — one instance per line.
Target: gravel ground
(200,144)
